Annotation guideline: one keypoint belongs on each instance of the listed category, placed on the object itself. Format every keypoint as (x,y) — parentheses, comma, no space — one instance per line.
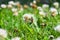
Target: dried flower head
(34,6)
(25,6)
(18,4)
(29,18)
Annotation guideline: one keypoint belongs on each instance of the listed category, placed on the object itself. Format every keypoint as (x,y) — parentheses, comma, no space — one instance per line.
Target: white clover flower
(9,6)
(40,8)
(42,13)
(30,18)
(57,28)
(31,4)
(34,1)
(57,38)
(15,14)
(59,12)
(27,16)
(11,2)
(56,4)
(21,9)
(14,9)
(3,33)
(53,11)
(45,6)
(17,3)
(16,38)
(3,6)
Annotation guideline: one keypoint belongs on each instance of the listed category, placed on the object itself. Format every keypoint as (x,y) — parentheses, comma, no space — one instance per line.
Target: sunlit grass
(15,25)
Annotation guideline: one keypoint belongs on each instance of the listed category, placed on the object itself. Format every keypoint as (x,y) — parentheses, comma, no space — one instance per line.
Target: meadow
(30,22)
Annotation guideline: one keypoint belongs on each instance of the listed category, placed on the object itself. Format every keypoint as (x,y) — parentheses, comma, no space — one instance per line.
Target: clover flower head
(3,33)
(45,6)
(15,14)
(57,28)
(56,4)
(40,8)
(3,6)
(34,1)
(17,2)
(53,11)
(58,38)
(16,38)
(29,18)
(42,13)
(31,4)
(9,6)
(14,9)
(11,2)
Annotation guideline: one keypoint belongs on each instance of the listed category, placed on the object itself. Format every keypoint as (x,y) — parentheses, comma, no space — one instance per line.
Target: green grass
(15,25)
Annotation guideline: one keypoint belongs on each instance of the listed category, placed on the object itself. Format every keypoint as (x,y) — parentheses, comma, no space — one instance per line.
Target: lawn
(40,28)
